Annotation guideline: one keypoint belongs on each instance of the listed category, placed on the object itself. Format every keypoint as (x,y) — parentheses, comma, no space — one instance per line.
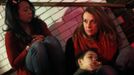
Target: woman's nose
(89,24)
(30,11)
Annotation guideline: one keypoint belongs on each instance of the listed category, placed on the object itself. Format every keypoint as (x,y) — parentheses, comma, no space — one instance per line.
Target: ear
(79,62)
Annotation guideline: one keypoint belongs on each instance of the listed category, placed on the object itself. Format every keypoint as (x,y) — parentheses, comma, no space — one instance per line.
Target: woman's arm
(16,57)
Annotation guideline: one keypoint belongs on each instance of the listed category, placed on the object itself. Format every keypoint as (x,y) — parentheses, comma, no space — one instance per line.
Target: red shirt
(16,54)
(16,51)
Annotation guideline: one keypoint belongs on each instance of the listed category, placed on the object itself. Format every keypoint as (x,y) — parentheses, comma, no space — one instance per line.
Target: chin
(90,69)
(90,35)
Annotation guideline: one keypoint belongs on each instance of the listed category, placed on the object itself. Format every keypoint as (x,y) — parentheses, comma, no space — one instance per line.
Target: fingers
(37,38)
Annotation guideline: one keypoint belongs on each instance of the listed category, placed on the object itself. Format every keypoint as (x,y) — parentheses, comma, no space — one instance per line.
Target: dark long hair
(13,23)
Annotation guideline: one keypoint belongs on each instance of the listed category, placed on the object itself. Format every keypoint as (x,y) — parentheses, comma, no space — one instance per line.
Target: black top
(83,72)
(71,66)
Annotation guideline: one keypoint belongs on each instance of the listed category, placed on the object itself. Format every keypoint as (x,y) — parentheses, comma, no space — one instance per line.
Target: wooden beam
(76,4)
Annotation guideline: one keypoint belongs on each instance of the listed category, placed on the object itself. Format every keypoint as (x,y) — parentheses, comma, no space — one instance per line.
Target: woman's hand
(37,38)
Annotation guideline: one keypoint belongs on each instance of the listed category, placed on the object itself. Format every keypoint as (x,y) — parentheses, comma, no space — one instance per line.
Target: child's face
(89,61)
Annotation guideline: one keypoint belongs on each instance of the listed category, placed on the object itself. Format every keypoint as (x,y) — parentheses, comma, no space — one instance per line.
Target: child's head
(87,60)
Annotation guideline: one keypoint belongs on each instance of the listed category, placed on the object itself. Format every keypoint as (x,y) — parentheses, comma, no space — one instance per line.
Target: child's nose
(94,59)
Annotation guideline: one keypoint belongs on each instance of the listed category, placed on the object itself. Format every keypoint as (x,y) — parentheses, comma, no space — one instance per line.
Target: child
(88,62)
(90,65)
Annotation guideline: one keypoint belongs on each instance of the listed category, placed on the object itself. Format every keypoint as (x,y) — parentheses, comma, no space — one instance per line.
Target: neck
(26,28)
(91,37)
(94,37)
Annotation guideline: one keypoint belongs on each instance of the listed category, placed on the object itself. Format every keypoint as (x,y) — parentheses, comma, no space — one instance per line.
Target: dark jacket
(83,72)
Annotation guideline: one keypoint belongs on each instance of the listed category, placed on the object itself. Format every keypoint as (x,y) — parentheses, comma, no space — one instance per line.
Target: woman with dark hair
(31,48)
(97,31)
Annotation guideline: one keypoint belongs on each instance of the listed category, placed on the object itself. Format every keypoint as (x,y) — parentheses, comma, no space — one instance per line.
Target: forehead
(23,4)
(88,15)
(89,53)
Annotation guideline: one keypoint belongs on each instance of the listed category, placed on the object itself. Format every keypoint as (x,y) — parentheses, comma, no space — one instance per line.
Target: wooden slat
(76,4)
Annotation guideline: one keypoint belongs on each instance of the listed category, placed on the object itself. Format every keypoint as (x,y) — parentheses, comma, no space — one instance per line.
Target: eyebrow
(92,54)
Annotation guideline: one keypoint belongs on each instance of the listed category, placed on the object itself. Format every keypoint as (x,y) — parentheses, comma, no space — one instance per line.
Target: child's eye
(90,57)
(93,58)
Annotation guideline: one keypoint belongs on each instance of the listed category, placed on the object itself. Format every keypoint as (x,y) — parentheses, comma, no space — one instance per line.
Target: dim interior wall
(61,21)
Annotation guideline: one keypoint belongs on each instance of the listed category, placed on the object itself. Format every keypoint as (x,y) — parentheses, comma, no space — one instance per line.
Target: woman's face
(90,25)
(25,12)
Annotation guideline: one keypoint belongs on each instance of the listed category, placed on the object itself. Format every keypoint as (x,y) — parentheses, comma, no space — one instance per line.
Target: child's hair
(82,53)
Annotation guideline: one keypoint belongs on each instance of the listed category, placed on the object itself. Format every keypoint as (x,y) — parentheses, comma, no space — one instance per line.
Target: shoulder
(81,72)
(69,40)
(69,48)
(10,37)
(8,34)
(37,21)
(40,21)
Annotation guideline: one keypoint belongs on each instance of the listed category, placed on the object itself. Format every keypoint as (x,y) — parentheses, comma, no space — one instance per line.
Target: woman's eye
(25,9)
(85,21)
(93,22)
